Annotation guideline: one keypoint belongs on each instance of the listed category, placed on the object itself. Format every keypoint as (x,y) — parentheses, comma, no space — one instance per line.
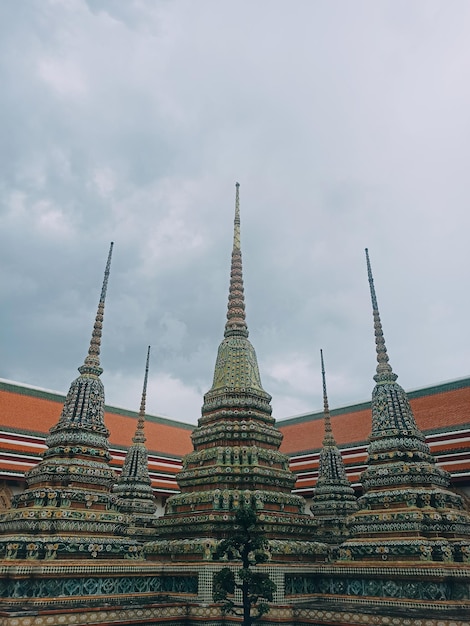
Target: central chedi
(236,460)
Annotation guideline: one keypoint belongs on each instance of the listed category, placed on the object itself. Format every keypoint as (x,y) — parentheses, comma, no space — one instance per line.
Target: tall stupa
(236,459)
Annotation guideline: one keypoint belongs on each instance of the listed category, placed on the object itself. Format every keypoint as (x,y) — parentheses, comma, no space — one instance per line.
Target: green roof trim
(150,418)
(31,391)
(21,431)
(60,398)
(460,383)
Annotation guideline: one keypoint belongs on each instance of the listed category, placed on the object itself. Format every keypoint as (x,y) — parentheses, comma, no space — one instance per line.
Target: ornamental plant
(247,544)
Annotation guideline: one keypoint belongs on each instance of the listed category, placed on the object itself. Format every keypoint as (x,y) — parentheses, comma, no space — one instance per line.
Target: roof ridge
(417,392)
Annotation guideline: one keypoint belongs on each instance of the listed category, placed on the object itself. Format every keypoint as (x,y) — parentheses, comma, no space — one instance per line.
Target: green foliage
(247,544)
(224,584)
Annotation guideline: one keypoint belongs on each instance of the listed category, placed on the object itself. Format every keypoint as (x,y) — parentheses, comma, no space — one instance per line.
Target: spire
(84,404)
(134,487)
(384,370)
(236,324)
(92,360)
(236,222)
(139,436)
(328,439)
(333,496)
(236,367)
(391,410)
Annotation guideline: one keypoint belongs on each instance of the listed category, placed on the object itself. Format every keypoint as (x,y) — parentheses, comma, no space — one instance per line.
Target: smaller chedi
(333,498)
(134,487)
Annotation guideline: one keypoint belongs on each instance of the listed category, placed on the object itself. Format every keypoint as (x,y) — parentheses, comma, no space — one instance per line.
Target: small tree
(248,545)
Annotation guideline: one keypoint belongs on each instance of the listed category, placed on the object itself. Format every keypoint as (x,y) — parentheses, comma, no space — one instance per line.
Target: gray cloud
(347,127)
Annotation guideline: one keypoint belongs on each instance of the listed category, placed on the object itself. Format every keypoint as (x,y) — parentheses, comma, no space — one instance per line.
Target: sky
(347,126)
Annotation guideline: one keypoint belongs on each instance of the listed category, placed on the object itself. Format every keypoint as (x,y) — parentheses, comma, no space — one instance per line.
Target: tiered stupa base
(66,533)
(195,536)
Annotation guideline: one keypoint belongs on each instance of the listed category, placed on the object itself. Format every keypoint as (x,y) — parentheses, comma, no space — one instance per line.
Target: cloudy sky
(347,125)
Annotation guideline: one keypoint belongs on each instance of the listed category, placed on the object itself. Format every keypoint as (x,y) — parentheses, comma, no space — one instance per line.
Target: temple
(110,516)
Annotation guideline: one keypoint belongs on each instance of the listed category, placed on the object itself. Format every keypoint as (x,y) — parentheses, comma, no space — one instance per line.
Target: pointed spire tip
(92,360)
(328,440)
(384,370)
(236,323)
(139,436)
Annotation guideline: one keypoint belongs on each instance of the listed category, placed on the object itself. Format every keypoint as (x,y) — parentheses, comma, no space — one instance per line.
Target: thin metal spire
(92,360)
(139,436)
(236,324)
(329,439)
(236,222)
(384,370)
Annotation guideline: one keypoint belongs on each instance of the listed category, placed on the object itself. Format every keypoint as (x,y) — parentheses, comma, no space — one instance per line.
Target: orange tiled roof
(27,414)
(441,411)
(29,410)
(440,407)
